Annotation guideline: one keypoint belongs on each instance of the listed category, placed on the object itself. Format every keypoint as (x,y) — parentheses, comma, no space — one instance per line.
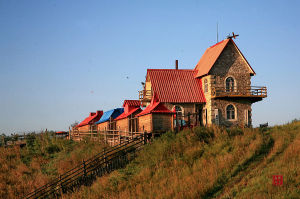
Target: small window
(205,86)
(230,112)
(229,84)
(178,110)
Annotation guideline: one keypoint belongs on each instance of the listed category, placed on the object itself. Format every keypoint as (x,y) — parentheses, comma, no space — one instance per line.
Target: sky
(61,59)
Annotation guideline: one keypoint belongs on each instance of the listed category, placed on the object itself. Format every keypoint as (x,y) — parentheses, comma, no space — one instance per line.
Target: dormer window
(205,86)
(229,84)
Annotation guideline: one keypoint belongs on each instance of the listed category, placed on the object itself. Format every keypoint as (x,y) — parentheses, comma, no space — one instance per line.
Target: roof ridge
(217,43)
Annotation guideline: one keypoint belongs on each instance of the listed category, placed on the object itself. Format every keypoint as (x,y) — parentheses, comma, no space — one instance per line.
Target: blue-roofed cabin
(107,120)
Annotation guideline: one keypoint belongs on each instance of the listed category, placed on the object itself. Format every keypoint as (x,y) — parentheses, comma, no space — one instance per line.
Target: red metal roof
(132,111)
(211,55)
(130,107)
(178,86)
(92,118)
(132,103)
(155,107)
(62,132)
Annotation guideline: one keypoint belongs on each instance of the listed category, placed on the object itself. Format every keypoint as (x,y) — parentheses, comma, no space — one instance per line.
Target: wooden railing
(251,91)
(84,174)
(145,95)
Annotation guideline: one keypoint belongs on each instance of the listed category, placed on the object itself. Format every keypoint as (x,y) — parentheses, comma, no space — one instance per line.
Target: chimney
(99,112)
(176,64)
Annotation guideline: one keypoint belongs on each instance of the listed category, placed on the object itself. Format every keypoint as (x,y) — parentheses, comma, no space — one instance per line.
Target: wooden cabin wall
(84,128)
(122,124)
(162,122)
(145,123)
(102,126)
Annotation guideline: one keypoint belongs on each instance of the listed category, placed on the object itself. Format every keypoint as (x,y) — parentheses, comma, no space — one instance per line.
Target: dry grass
(24,169)
(209,163)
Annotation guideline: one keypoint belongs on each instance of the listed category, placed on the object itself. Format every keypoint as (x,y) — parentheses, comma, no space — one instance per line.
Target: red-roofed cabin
(88,124)
(61,134)
(156,117)
(126,122)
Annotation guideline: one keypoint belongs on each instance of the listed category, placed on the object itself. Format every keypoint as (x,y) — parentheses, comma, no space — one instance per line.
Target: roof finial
(232,36)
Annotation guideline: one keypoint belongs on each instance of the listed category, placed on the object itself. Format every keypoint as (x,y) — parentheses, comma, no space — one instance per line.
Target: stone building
(217,91)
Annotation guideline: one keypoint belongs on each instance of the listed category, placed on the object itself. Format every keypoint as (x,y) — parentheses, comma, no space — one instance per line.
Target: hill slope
(209,163)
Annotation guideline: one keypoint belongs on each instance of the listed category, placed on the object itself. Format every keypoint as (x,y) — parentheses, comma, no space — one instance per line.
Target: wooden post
(104,157)
(145,138)
(61,188)
(177,122)
(84,169)
(189,120)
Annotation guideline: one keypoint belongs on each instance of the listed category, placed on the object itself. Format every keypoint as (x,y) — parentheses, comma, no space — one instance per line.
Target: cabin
(218,91)
(127,122)
(106,126)
(87,124)
(155,118)
(61,134)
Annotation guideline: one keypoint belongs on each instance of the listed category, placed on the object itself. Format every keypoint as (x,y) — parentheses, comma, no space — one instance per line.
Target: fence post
(104,157)
(189,119)
(61,188)
(84,169)
(177,122)
(145,138)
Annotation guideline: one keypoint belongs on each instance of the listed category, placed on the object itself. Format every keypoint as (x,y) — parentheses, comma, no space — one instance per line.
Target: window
(205,86)
(229,84)
(230,112)
(179,112)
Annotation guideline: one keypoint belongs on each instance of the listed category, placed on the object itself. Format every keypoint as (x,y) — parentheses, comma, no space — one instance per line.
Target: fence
(85,173)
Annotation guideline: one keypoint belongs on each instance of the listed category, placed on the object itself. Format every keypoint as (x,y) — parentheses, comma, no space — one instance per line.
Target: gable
(231,61)
(212,54)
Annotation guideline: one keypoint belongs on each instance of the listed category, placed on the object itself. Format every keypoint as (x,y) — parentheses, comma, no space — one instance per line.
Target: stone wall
(240,107)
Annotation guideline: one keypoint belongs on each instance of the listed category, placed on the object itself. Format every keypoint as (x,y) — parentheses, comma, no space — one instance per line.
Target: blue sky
(61,59)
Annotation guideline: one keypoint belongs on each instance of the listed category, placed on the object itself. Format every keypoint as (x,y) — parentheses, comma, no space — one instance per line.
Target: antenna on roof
(232,36)
(217,32)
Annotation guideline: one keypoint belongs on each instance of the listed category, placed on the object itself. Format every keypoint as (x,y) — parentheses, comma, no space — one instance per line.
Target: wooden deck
(145,95)
(254,93)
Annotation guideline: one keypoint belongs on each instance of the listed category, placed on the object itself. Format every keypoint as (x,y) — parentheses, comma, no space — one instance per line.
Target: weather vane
(232,36)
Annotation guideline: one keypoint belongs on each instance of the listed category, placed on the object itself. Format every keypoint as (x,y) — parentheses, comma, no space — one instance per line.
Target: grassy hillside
(209,163)
(24,169)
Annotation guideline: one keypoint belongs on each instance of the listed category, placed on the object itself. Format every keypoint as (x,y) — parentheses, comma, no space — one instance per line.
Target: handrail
(88,166)
(145,93)
(247,91)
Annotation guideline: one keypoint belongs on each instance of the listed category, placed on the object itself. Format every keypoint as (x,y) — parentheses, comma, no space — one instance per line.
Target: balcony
(253,93)
(145,95)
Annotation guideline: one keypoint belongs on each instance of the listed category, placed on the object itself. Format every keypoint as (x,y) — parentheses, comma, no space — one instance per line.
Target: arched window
(205,86)
(229,84)
(230,112)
